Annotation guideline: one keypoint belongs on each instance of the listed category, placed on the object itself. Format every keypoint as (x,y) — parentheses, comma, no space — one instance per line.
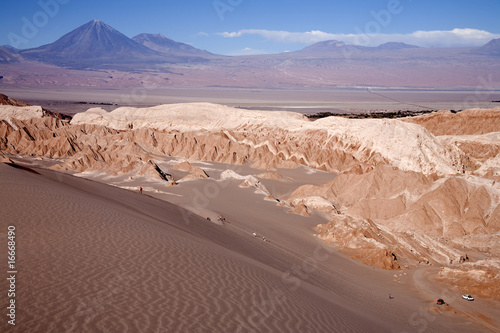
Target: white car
(468,297)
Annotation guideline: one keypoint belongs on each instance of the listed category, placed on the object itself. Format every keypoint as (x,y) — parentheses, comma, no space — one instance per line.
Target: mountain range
(167,46)
(97,46)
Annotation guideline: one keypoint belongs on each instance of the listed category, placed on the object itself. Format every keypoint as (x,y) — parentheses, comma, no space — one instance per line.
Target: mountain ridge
(491,48)
(7,56)
(162,44)
(396,46)
(95,46)
(115,44)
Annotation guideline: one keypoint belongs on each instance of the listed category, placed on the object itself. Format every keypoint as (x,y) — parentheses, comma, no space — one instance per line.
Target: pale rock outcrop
(360,239)
(273,176)
(9,112)
(194,171)
(299,209)
(409,212)
(281,139)
(248,182)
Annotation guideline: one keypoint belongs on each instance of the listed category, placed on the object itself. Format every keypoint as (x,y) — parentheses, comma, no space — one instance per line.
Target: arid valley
(148,185)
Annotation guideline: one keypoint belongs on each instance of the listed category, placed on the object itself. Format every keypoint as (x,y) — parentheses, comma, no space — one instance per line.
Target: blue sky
(260,26)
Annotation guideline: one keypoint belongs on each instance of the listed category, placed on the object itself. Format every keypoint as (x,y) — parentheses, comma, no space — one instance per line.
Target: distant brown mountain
(492,48)
(330,46)
(6,100)
(8,55)
(396,46)
(335,47)
(162,44)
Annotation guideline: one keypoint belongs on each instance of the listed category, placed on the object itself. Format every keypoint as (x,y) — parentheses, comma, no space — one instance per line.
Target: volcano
(92,43)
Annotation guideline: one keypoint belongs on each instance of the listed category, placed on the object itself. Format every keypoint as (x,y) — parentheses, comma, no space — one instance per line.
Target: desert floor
(336,100)
(98,258)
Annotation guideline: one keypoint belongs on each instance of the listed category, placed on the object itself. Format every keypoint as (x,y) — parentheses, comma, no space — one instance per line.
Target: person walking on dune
(140,189)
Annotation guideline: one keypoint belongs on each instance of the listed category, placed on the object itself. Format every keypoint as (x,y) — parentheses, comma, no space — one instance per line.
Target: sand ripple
(98,259)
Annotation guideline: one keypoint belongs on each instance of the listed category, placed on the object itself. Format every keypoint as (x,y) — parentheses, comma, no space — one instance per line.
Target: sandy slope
(96,258)
(131,263)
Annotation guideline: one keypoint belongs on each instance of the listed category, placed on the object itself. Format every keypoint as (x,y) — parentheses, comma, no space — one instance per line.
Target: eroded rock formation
(413,191)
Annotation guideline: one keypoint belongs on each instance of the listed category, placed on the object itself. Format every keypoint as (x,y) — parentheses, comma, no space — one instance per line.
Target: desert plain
(176,215)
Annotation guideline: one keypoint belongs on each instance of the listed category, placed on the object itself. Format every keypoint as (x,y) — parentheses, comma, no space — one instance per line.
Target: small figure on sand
(140,189)
(254,234)
(264,239)
(390,297)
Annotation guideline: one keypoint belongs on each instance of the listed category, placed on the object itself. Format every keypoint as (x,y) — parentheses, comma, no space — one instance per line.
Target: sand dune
(96,258)
(405,196)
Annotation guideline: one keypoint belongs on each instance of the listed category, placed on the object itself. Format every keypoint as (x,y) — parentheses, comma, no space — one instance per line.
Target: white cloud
(247,51)
(235,34)
(282,36)
(444,38)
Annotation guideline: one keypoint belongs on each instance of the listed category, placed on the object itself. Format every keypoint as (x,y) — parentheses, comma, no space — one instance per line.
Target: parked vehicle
(468,297)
